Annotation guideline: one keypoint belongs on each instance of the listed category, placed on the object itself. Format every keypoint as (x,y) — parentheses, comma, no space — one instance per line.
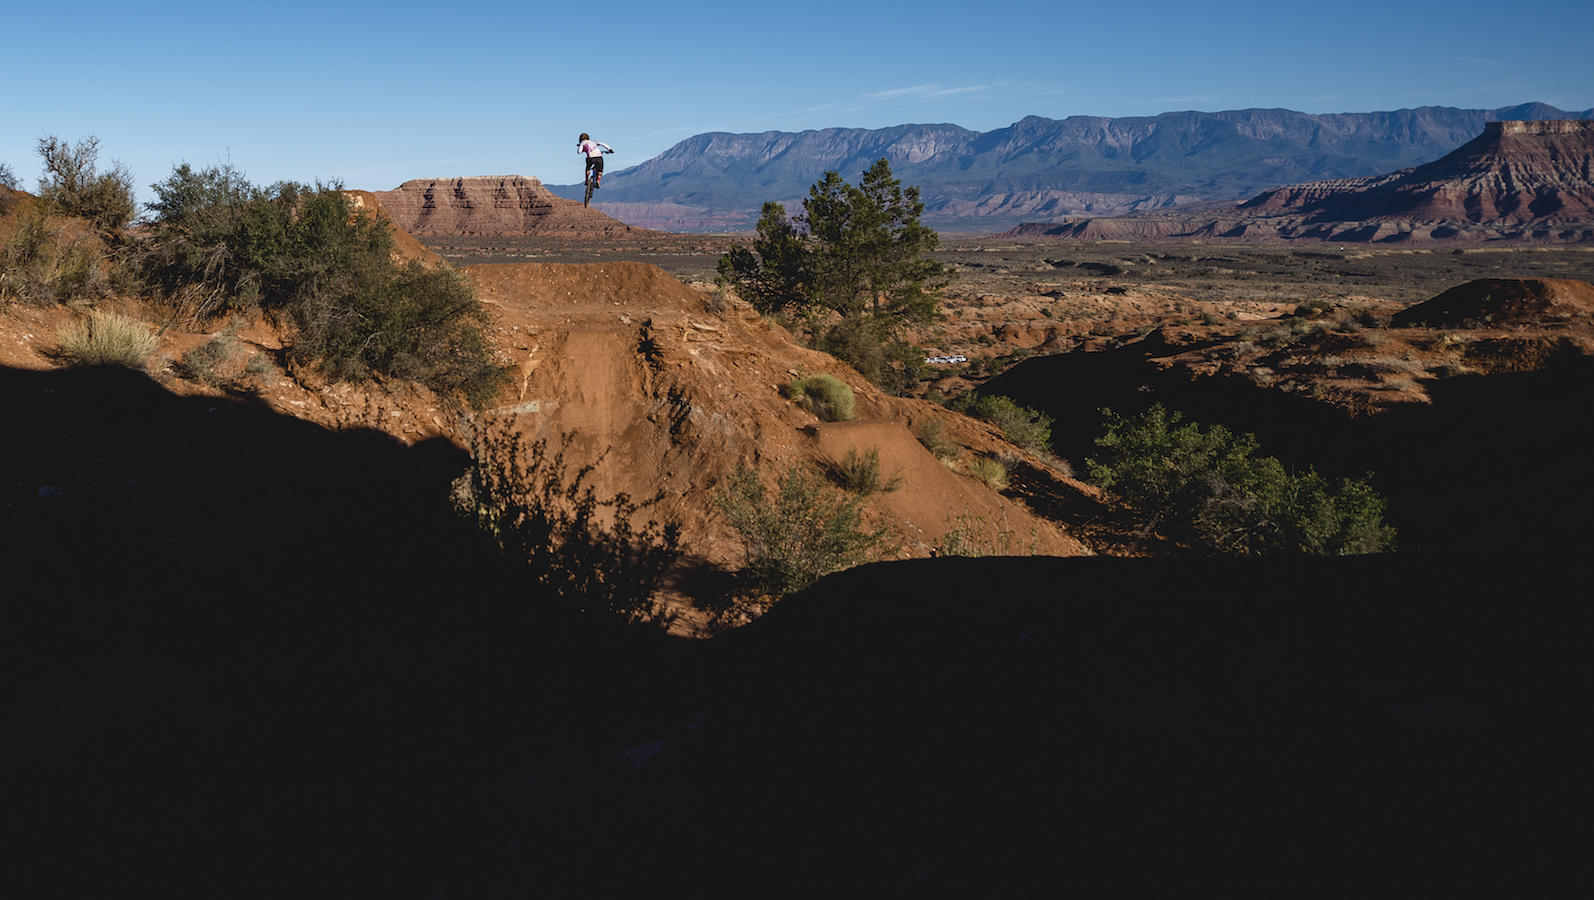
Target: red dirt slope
(631,369)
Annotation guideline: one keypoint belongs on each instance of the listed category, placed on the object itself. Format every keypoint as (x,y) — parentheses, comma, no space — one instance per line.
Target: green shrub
(524,499)
(1313,309)
(261,365)
(308,255)
(1025,427)
(411,322)
(106,338)
(932,434)
(1204,486)
(891,363)
(826,396)
(860,473)
(207,362)
(10,187)
(805,531)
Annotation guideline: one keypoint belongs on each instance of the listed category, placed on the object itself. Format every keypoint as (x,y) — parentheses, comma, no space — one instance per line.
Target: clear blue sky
(374,94)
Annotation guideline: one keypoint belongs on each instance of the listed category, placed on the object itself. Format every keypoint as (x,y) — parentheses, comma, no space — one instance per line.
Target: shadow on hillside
(258,658)
(1491,465)
(968,726)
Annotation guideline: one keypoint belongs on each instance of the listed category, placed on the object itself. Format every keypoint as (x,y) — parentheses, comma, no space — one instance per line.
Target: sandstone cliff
(493,205)
(1515,173)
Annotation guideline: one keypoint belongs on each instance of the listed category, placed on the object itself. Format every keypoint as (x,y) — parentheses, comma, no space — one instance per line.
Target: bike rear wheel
(588,200)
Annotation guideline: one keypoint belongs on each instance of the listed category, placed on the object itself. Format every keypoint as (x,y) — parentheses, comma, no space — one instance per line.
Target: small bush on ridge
(1025,427)
(860,473)
(932,434)
(991,472)
(73,185)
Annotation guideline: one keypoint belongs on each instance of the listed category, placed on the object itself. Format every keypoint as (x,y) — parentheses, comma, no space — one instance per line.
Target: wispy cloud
(920,93)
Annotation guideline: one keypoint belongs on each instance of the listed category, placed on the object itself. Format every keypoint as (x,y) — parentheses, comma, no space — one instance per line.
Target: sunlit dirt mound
(1506,301)
(626,368)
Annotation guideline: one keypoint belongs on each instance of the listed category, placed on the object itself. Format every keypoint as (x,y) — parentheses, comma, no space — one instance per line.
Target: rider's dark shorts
(595,162)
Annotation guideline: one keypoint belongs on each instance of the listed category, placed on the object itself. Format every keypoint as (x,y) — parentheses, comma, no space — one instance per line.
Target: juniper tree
(853,266)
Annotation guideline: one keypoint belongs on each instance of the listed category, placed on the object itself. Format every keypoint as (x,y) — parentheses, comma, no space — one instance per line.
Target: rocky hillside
(492,205)
(1040,169)
(1517,180)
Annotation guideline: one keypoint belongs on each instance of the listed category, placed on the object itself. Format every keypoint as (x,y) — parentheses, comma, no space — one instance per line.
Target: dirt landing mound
(1505,301)
(626,368)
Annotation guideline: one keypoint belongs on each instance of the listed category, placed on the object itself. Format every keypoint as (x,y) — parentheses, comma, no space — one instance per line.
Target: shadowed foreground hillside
(258,658)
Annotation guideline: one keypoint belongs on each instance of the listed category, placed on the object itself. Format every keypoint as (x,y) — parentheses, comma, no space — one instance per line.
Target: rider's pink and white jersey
(591,148)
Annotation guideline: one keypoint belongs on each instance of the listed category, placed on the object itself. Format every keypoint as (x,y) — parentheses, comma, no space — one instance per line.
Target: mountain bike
(593,177)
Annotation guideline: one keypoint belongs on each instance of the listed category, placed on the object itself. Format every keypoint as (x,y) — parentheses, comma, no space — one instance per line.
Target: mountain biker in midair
(593,151)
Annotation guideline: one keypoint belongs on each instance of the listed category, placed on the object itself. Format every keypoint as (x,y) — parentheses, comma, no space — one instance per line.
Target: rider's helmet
(584,137)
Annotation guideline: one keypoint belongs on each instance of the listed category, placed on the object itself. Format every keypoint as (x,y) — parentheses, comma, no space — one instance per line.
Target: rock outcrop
(493,205)
(1515,173)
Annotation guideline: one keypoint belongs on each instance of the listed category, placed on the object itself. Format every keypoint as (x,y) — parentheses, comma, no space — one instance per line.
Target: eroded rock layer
(493,205)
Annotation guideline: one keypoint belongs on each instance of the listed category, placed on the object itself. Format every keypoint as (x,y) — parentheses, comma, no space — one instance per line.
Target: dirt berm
(624,367)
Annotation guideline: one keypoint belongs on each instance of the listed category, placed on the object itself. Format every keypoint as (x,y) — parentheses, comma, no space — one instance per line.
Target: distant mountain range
(1518,180)
(1039,169)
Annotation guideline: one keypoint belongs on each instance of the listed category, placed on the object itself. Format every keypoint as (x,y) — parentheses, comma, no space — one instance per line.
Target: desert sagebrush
(106,338)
